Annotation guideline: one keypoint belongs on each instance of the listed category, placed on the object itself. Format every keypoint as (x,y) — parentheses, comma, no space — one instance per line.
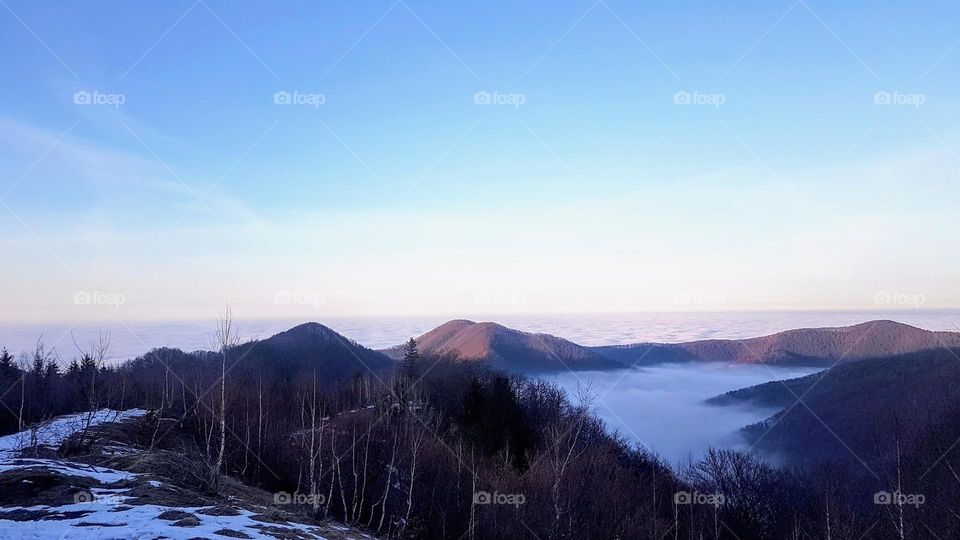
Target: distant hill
(504,348)
(852,412)
(513,350)
(308,348)
(805,346)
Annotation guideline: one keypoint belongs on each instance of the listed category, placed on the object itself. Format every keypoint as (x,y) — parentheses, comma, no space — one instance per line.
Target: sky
(163,159)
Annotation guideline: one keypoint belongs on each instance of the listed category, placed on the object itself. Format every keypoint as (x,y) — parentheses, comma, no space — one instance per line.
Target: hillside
(805,346)
(853,411)
(508,349)
(311,347)
(103,476)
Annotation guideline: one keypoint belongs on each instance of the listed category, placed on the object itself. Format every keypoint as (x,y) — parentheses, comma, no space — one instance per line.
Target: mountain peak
(313,347)
(314,329)
(510,349)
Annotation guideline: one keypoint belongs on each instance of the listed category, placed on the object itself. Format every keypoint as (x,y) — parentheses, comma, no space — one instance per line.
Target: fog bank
(662,406)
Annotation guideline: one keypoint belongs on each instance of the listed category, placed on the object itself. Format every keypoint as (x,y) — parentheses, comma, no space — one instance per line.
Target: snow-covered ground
(67,468)
(52,433)
(106,517)
(108,510)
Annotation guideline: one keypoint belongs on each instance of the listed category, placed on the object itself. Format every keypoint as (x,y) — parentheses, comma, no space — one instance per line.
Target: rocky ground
(98,476)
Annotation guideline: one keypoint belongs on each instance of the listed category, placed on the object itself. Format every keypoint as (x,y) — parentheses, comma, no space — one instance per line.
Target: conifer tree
(411,358)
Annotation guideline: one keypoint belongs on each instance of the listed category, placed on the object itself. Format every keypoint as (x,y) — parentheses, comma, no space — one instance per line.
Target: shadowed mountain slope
(311,347)
(855,410)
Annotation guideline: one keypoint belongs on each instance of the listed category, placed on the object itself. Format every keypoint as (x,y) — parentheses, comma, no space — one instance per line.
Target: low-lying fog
(662,406)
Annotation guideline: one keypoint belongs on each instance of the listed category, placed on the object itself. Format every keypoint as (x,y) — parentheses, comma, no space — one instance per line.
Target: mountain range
(513,350)
(804,346)
(313,347)
(879,370)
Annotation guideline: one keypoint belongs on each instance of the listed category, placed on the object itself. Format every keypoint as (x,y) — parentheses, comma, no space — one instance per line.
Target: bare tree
(94,359)
(226,338)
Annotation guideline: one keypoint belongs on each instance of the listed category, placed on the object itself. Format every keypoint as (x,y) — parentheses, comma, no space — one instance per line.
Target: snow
(68,468)
(107,516)
(135,522)
(54,432)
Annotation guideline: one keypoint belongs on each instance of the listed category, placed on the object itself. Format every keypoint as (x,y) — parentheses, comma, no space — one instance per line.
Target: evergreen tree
(7,367)
(88,365)
(51,370)
(39,361)
(411,358)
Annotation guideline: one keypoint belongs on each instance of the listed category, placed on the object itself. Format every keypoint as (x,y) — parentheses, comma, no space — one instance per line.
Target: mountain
(311,347)
(513,350)
(853,411)
(508,349)
(805,346)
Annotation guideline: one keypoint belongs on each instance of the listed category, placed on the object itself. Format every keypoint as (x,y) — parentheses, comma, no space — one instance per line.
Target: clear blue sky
(635,156)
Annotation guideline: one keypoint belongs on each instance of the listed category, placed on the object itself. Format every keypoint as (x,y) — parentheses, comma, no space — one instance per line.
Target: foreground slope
(90,475)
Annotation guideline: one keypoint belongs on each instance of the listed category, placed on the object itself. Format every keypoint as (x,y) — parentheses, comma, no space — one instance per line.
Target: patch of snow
(68,468)
(57,430)
(106,516)
(107,519)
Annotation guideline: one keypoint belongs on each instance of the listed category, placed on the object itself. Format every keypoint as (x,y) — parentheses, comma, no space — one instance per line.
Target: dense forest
(428,448)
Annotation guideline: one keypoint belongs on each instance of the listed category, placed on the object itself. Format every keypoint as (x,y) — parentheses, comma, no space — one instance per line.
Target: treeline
(437,449)
(38,386)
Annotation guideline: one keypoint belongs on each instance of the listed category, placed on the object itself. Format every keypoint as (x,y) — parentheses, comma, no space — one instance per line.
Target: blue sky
(561,156)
